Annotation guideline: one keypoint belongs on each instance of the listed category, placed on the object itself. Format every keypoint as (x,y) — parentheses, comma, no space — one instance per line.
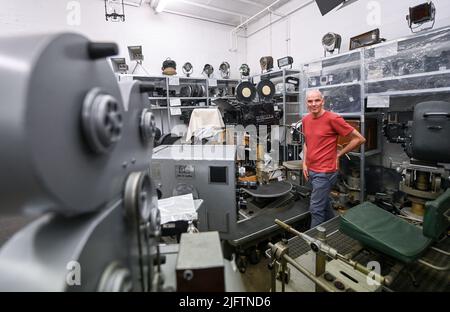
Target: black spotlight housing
(208,70)
(244,70)
(285,62)
(420,14)
(331,42)
(188,69)
(224,69)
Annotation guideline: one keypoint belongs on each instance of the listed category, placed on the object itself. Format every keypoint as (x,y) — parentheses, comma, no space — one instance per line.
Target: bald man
(321,129)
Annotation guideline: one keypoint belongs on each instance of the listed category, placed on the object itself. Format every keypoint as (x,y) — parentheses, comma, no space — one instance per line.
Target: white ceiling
(231,12)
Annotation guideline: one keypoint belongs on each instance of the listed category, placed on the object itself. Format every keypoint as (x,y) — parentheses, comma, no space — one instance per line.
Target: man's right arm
(305,166)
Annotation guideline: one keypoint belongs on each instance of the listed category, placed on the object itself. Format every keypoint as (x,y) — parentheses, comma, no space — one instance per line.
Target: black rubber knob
(339,285)
(97,50)
(314,247)
(146,87)
(329,277)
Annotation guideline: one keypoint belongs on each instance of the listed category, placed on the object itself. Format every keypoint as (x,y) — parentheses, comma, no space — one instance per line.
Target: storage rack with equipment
(174,97)
(158,98)
(288,97)
(400,74)
(374,77)
(338,77)
(222,89)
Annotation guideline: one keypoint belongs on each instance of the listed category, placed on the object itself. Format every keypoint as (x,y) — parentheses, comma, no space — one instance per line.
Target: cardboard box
(200,265)
(371,134)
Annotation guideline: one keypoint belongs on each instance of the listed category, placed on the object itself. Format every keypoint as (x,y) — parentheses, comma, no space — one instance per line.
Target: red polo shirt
(321,136)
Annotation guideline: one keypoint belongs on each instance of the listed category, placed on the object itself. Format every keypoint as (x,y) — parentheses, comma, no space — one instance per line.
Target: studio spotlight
(224,69)
(331,42)
(421,14)
(188,69)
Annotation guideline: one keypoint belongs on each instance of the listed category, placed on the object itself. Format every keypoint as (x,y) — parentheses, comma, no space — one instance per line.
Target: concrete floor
(257,277)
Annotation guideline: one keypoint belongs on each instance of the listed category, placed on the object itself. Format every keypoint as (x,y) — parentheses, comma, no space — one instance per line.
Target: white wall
(303,30)
(161,35)
(185,39)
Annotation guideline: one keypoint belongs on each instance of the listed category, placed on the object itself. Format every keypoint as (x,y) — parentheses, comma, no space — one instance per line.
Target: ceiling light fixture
(114,10)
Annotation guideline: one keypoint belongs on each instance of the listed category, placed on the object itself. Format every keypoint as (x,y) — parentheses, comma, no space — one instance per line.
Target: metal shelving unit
(415,65)
(291,109)
(157,98)
(190,98)
(160,96)
(173,83)
(192,107)
(222,89)
(340,79)
(334,86)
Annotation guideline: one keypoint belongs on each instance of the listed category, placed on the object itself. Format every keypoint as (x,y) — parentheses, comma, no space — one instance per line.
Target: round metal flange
(147,125)
(115,278)
(138,195)
(186,91)
(195,90)
(202,91)
(102,123)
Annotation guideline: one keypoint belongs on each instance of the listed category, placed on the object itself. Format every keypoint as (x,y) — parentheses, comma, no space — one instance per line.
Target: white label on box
(386,50)
(175,111)
(314,67)
(174,81)
(377,101)
(175,102)
(212,82)
(125,78)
